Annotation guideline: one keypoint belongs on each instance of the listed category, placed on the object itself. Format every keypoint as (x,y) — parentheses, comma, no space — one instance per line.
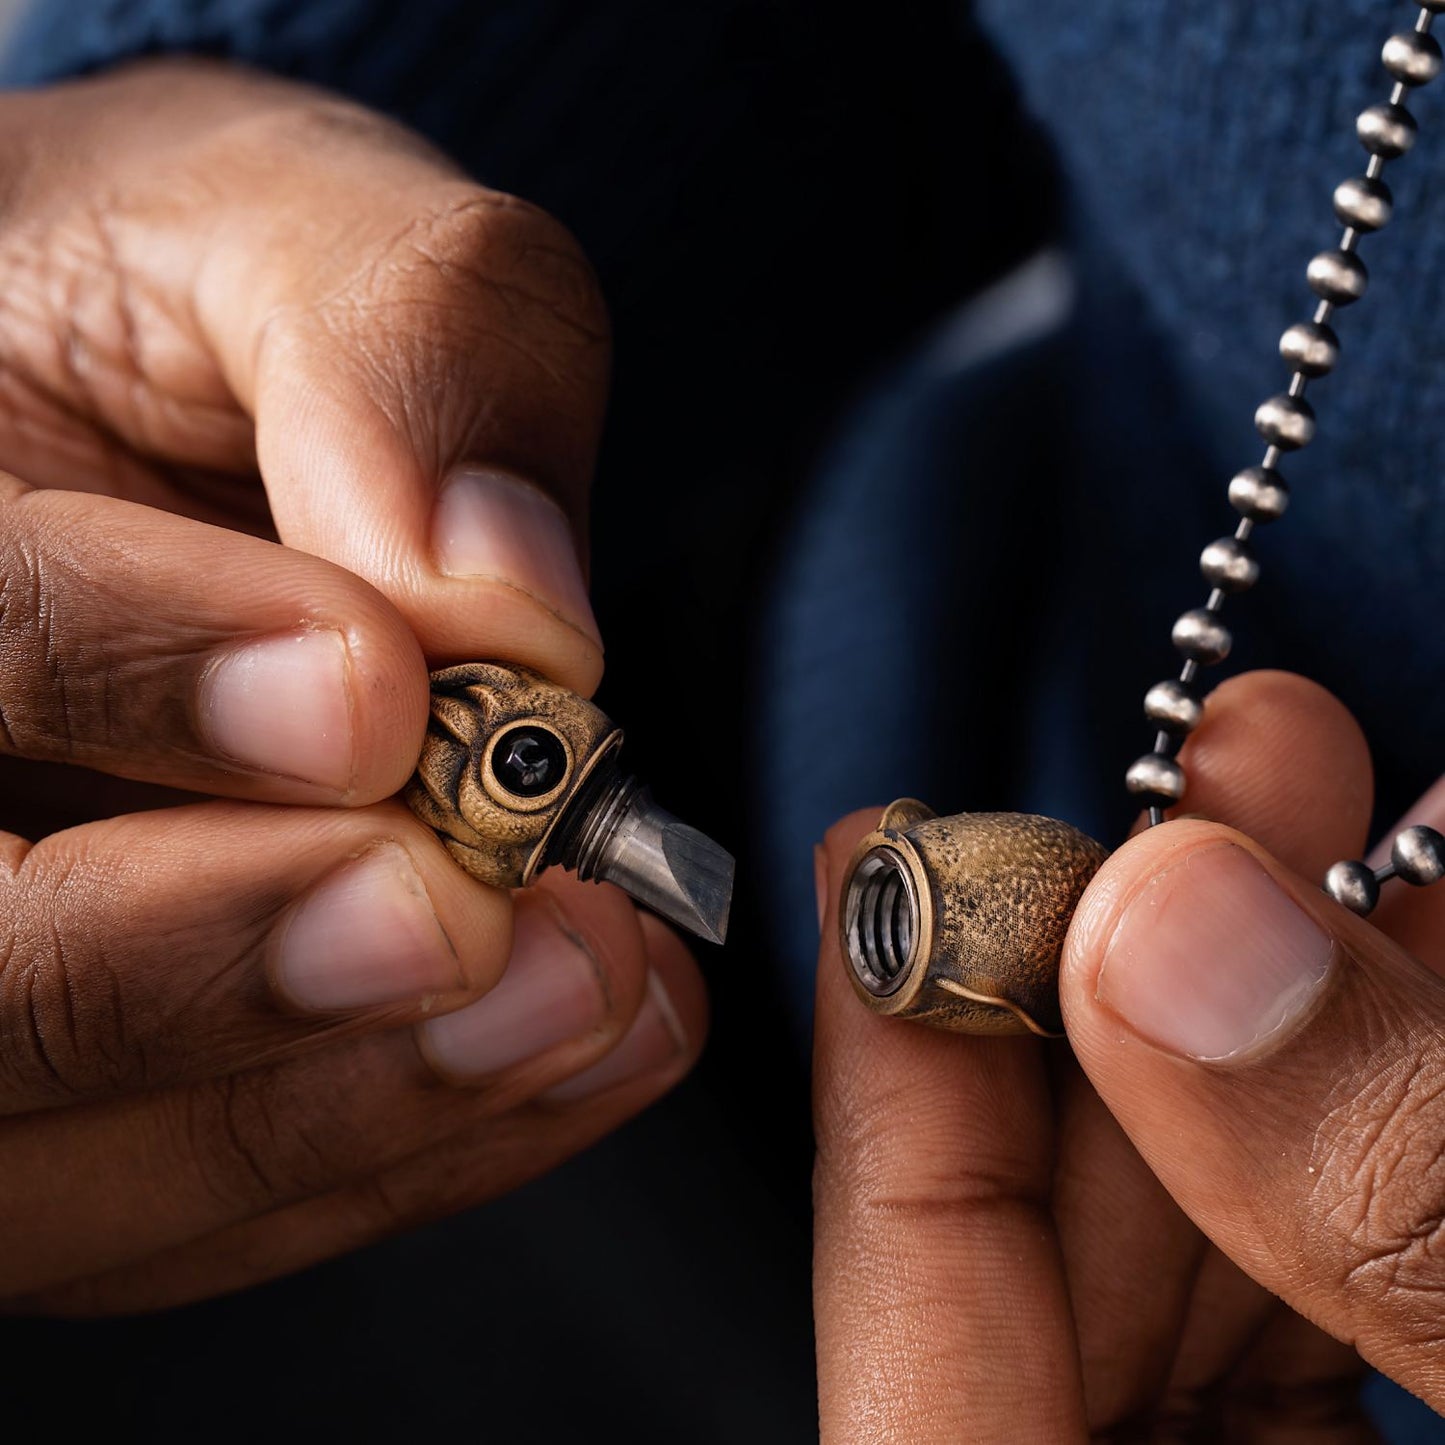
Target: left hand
(996,1260)
(248,1034)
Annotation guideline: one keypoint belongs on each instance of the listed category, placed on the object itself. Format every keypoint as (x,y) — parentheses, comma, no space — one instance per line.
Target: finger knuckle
(455,242)
(104,369)
(35,672)
(63,1031)
(223,1127)
(513,249)
(73,687)
(480,265)
(20,606)
(261,1137)
(57,700)
(1380,1191)
(527,259)
(237,1133)
(899,1179)
(382,1208)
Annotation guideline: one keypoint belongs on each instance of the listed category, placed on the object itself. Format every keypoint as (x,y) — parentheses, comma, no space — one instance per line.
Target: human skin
(290,411)
(1195,1220)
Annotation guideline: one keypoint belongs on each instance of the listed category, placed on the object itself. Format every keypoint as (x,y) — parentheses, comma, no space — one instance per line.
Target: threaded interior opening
(880,914)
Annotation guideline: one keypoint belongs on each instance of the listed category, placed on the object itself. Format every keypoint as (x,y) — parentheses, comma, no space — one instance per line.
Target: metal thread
(881,921)
(585,829)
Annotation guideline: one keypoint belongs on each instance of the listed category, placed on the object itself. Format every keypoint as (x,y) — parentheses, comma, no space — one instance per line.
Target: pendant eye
(529,761)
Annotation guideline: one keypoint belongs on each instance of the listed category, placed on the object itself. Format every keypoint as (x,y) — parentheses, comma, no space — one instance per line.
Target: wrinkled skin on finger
(249,1175)
(994,1259)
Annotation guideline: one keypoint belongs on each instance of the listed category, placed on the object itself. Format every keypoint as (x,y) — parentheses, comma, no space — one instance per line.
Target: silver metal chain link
(1260,495)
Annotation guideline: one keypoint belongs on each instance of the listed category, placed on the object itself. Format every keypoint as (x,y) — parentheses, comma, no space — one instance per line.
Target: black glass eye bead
(529,762)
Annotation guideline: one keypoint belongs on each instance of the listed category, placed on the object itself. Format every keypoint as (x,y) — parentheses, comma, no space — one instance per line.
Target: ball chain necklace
(959,922)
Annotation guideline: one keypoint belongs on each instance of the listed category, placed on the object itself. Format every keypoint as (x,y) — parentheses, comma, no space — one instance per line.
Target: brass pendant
(959,922)
(518,774)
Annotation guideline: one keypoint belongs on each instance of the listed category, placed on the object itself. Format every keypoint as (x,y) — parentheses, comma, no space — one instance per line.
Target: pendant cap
(959,922)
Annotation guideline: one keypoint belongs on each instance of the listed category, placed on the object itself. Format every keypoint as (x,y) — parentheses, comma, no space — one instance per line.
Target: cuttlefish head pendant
(518,775)
(506,753)
(959,922)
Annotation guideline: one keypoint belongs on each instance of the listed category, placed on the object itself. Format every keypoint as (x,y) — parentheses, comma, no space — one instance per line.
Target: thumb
(1279,1064)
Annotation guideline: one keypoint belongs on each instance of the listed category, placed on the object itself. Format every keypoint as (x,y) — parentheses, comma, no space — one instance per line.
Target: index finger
(427,363)
(942,1311)
(424,360)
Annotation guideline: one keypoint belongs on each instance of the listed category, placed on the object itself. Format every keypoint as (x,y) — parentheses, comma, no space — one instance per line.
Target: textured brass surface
(495,835)
(994,895)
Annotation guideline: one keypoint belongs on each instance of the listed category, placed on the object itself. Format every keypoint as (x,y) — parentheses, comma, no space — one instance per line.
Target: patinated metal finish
(959,922)
(518,774)
(495,834)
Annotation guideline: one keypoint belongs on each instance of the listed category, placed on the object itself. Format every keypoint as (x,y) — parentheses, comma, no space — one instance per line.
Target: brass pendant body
(959,922)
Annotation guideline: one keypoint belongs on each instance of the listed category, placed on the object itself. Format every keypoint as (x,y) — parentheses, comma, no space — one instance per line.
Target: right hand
(997,1258)
(248,1033)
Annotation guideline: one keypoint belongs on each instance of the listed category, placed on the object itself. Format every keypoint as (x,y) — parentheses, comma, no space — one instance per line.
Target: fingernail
(820,881)
(283,705)
(494,525)
(551,992)
(654,1042)
(1212,960)
(365,936)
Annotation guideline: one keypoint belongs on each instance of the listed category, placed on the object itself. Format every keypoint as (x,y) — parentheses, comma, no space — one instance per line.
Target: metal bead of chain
(1259,494)
(1417,856)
